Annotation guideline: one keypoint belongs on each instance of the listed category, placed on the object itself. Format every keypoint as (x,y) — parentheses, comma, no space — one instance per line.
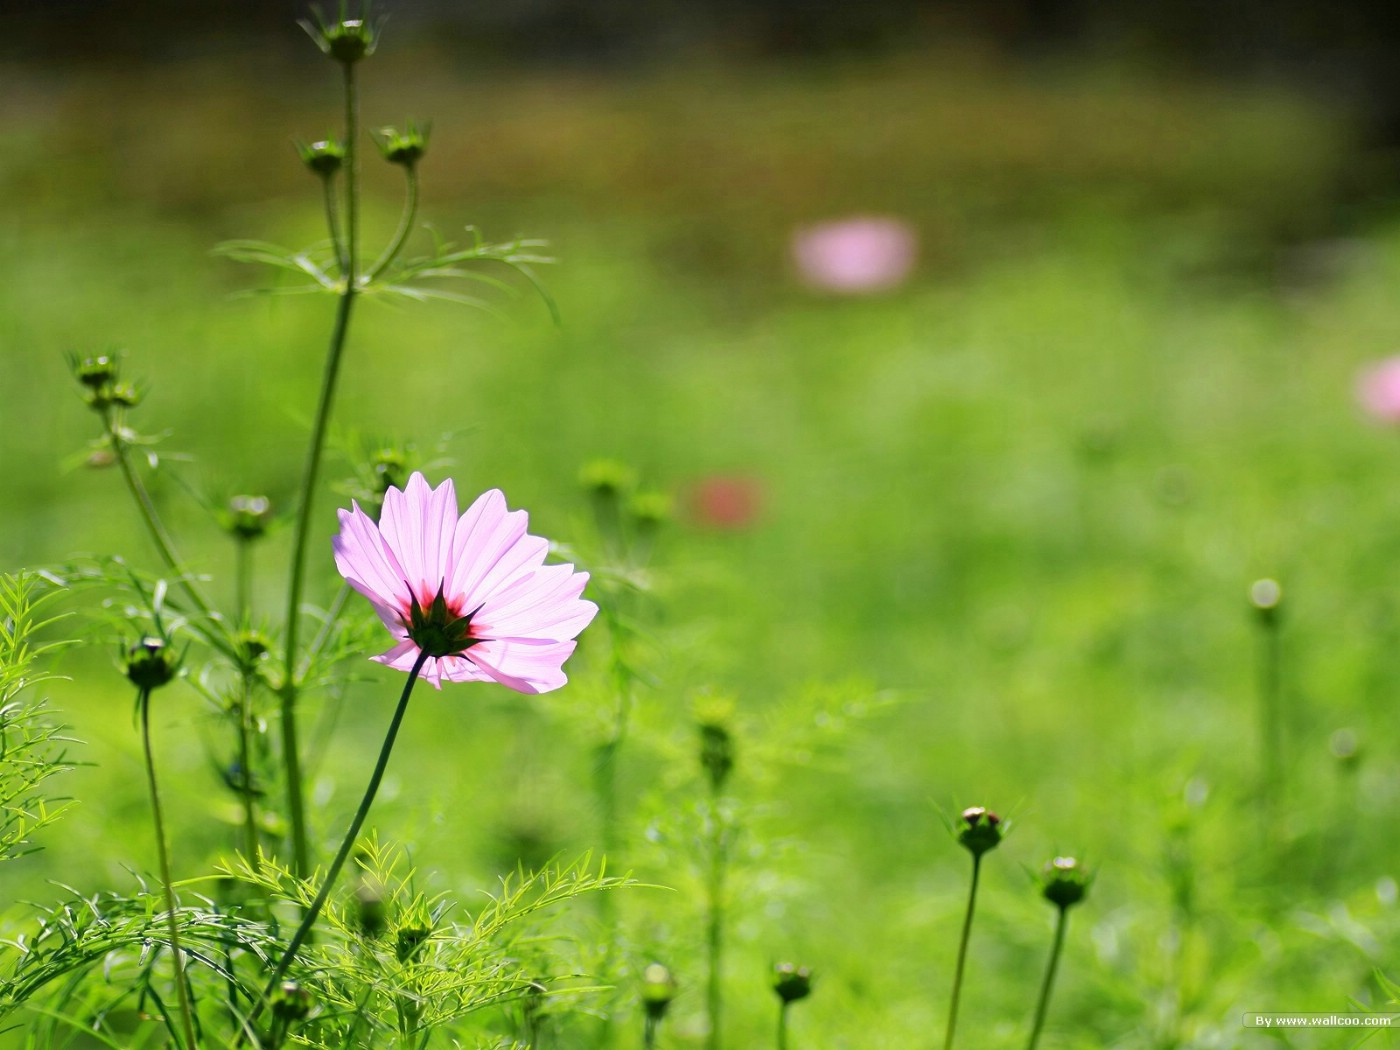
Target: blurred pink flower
(1378,390)
(867,254)
(472,592)
(726,501)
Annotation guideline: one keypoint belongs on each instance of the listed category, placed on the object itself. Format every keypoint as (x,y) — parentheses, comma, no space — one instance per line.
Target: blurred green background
(1005,514)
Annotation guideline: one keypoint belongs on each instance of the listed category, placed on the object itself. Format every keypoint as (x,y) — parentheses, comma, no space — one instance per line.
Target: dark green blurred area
(1020,498)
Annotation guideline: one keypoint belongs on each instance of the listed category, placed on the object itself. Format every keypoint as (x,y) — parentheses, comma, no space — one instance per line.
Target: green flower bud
(125,394)
(607,478)
(716,752)
(150,664)
(650,509)
(981,830)
(346,40)
(290,1002)
(1266,596)
(95,373)
(371,911)
(658,989)
(253,646)
(403,147)
(323,158)
(791,983)
(390,468)
(248,516)
(409,941)
(1064,882)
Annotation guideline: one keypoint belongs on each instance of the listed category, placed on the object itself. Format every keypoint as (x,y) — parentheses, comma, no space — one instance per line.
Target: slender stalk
(1270,679)
(714,938)
(782,1025)
(962,953)
(143,702)
(296,807)
(1044,1004)
(244,573)
(164,544)
(333,223)
(347,844)
(649,1033)
(410,210)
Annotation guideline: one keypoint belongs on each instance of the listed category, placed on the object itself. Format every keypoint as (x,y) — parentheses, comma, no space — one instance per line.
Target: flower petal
(366,562)
(525,665)
(543,605)
(417,524)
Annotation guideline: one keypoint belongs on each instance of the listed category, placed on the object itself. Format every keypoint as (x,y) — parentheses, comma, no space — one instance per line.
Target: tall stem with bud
(1064,884)
(981,831)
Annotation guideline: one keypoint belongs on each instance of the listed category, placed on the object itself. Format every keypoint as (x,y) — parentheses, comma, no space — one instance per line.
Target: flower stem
(714,940)
(244,572)
(410,209)
(328,882)
(782,1025)
(143,702)
(296,807)
(164,544)
(962,953)
(1270,677)
(1049,980)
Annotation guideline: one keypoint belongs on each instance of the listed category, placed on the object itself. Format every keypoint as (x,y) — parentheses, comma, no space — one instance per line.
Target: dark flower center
(440,629)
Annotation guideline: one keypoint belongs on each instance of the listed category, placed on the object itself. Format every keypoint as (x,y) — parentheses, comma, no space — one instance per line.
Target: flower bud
(1266,596)
(150,664)
(405,147)
(650,510)
(409,941)
(125,394)
(1064,882)
(791,983)
(95,373)
(716,752)
(370,910)
(607,479)
(323,158)
(981,830)
(249,516)
(290,1002)
(658,989)
(345,40)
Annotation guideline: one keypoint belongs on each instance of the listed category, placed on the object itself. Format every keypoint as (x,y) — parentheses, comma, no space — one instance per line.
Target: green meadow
(1005,516)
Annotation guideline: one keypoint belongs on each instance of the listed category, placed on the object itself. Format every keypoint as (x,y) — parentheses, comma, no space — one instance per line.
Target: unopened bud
(409,941)
(324,158)
(405,147)
(1266,596)
(650,509)
(249,516)
(150,664)
(347,40)
(791,983)
(1064,882)
(716,752)
(981,830)
(96,372)
(607,478)
(658,989)
(290,1002)
(371,910)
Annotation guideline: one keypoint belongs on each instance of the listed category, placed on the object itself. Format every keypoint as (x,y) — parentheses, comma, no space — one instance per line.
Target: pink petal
(485,533)
(525,665)
(417,524)
(364,560)
(544,605)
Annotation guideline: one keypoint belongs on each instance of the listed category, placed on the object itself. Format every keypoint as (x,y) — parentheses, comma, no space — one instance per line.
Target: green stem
(328,882)
(244,611)
(164,544)
(410,210)
(1049,980)
(296,808)
(714,995)
(333,222)
(143,702)
(782,1026)
(649,1033)
(1270,677)
(962,953)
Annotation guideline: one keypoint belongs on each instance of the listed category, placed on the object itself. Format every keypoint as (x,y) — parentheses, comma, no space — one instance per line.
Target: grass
(1009,520)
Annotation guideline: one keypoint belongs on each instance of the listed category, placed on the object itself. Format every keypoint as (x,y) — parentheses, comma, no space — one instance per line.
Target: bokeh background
(979,529)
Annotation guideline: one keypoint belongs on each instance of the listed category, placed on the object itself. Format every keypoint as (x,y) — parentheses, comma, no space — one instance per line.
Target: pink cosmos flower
(473,593)
(1378,390)
(856,255)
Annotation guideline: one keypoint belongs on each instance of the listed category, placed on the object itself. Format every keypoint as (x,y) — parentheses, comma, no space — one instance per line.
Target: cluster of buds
(612,488)
(1064,882)
(103,387)
(791,983)
(981,830)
